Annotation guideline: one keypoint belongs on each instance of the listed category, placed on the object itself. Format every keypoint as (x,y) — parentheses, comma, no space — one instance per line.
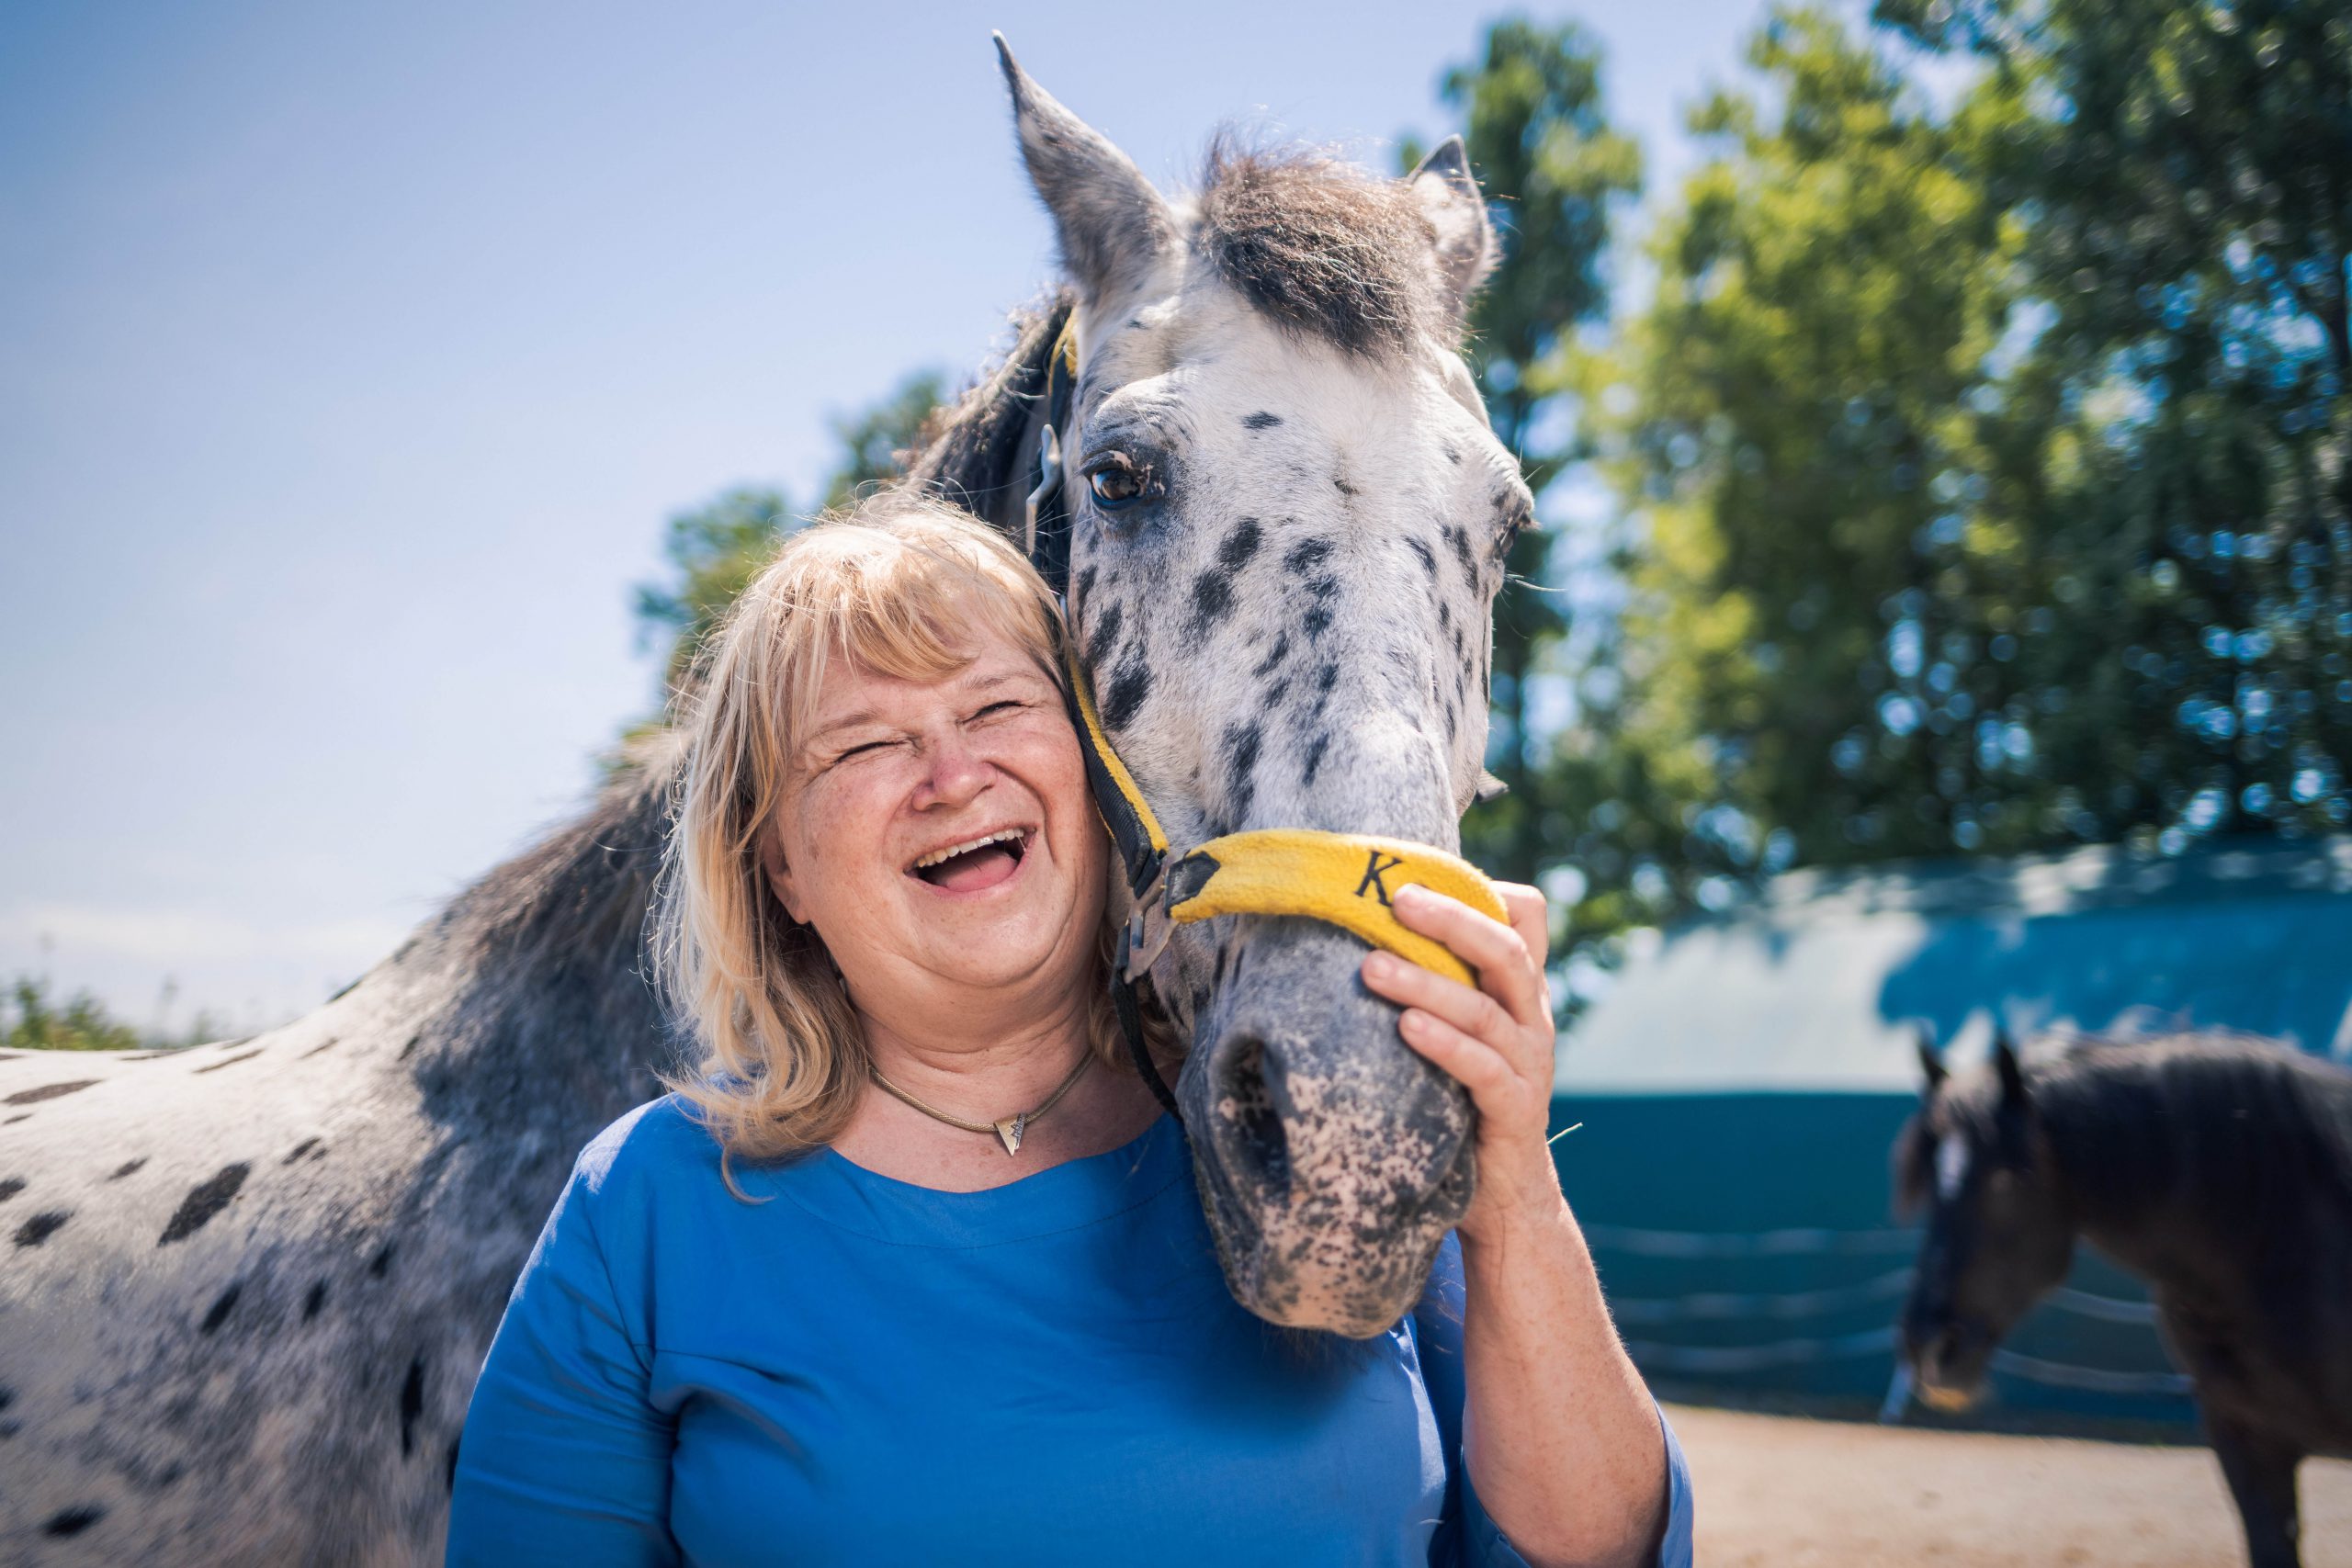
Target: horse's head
(1289,519)
(1999,1232)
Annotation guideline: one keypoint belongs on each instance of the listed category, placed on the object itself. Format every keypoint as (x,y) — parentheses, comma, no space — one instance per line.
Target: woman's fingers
(1474,1013)
(1494,1084)
(1530,917)
(1499,954)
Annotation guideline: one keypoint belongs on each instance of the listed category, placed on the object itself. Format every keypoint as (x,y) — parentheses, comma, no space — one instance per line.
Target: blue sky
(350,362)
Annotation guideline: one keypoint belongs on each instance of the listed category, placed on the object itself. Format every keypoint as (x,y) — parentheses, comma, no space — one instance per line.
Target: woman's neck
(983,1077)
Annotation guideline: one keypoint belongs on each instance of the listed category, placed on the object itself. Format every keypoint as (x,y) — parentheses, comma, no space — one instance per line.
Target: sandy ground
(1795,1494)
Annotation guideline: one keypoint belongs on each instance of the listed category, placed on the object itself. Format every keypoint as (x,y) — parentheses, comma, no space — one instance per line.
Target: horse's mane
(1320,246)
(2221,1127)
(972,454)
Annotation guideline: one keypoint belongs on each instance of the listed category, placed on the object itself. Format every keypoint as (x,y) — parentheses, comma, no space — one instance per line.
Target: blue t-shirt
(856,1369)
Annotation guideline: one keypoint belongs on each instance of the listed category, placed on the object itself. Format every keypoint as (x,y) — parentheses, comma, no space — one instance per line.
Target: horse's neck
(2151,1193)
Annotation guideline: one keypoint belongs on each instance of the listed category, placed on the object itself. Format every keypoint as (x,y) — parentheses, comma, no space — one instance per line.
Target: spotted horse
(246,1287)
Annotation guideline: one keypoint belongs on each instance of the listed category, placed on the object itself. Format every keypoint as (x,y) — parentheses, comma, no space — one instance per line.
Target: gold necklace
(1010,1129)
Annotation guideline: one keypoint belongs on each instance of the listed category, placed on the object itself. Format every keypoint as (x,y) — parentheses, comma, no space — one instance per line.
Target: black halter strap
(1047,540)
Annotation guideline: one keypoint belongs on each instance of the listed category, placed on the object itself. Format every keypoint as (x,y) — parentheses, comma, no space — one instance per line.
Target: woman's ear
(779,875)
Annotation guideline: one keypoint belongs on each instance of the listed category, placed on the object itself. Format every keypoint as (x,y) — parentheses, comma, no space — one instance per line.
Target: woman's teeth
(939,857)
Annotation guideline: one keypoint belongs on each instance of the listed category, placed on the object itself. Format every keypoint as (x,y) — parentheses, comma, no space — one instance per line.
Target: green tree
(30,1020)
(1533,117)
(1986,468)
(1794,676)
(2186,168)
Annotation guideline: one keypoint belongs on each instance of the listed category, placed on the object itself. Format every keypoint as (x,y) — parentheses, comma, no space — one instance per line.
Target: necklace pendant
(1009,1130)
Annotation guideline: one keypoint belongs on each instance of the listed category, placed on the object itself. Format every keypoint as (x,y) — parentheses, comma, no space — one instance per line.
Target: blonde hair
(889,586)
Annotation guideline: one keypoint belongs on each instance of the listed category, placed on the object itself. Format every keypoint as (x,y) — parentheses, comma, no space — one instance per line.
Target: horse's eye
(1116,487)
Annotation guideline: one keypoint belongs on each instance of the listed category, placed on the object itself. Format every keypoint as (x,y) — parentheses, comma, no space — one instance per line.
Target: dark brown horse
(2217,1167)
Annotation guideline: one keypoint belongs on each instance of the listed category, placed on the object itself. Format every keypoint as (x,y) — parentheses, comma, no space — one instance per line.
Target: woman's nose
(957,772)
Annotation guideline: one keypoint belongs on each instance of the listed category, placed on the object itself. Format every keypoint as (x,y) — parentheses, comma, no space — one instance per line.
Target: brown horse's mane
(2221,1128)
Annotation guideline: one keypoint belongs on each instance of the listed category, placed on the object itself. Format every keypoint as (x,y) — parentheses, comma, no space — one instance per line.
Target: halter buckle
(1049,480)
(1148,928)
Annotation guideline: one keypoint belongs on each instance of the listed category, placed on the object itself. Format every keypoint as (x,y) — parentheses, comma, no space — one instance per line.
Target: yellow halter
(1342,879)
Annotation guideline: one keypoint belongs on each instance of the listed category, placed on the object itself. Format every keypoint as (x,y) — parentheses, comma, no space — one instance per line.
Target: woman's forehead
(854,691)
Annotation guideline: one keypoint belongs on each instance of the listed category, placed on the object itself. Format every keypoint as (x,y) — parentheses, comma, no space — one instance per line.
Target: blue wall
(1737,1166)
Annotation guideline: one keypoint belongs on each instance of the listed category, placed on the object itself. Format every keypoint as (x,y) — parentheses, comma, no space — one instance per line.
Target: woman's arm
(562,1460)
(1565,1449)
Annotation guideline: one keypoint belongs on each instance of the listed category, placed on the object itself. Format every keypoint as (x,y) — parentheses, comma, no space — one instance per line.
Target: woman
(805,1309)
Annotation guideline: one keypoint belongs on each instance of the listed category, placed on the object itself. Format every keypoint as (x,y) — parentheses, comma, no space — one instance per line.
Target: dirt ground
(1796,1494)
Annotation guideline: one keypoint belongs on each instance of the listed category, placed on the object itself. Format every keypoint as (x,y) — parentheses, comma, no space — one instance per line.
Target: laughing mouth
(974,864)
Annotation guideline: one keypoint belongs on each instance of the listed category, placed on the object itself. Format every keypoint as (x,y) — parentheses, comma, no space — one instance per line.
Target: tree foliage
(31,1020)
(1985,464)
(1556,173)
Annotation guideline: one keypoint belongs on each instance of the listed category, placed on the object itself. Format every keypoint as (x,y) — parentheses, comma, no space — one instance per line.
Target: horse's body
(247,1288)
(2218,1169)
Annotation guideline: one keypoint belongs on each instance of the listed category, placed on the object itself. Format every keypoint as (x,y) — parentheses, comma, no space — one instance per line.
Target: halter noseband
(1341,879)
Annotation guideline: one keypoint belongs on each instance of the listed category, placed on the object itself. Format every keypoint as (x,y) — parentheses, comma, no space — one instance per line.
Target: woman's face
(940,838)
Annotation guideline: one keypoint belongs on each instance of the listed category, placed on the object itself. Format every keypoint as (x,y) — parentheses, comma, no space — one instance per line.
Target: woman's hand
(1496,1040)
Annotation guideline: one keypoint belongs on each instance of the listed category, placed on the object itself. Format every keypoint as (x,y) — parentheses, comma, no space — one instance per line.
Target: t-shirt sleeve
(1467,1537)
(563,1459)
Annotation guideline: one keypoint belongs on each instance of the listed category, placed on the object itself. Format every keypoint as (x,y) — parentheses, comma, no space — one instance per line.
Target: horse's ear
(2005,1062)
(1455,208)
(1931,1061)
(1112,224)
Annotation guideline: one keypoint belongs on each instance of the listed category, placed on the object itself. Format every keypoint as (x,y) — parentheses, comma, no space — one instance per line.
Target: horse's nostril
(1256,1147)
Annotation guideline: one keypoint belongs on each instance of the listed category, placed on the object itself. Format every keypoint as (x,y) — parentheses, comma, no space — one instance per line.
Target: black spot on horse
(1260,421)
(1453,453)
(19,1116)
(1314,762)
(1128,689)
(1274,655)
(412,1406)
(1105,633)
(1085,585)
(10,1186)
(47,1092)
(219,1312)
(1240,545)
(381,1264)
(1445,617)
(1322,588)
(69,1522)
(1459,542)
(1317,620)
(1275,694)
(127,1167)
(1307,555)
(1326,677)
(1340,483)
(329,1043)
(41,1227)
(313,1299)
(1241,746)
(414,1042)
(206,1199)
(299,1150)
(1212,597)
(1421,553)
(231,1061)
